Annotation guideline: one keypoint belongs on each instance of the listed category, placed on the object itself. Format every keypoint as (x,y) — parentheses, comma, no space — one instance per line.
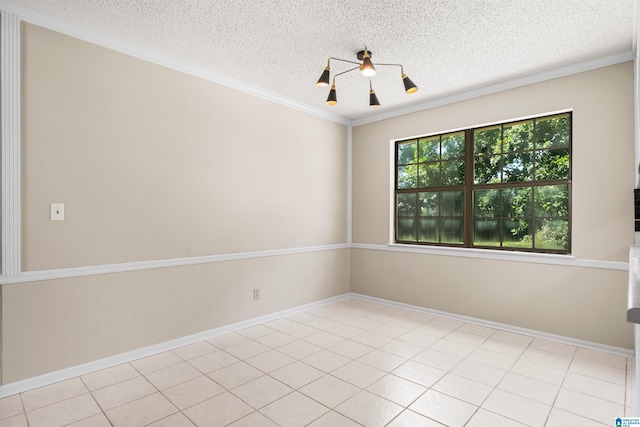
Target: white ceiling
(281,46)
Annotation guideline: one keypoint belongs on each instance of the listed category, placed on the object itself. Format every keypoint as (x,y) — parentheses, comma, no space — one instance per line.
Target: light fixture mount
(360,55)
(367,69)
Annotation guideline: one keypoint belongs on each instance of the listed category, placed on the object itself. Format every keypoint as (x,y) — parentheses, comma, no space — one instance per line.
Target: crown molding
(502,86)
(43,20)
(59,25)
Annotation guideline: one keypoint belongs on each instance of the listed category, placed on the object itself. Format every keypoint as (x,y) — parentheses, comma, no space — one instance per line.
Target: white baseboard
(97,365)
(108,362)
(504,327)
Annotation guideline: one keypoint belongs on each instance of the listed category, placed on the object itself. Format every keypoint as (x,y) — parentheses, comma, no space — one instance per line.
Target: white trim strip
(63,273)
(97,365)
(635,379)
(635,34)
(86,368)
(535,258)
(502,326)
(10,88)
(349,184)
(502,86)
(636,117)
(635,384)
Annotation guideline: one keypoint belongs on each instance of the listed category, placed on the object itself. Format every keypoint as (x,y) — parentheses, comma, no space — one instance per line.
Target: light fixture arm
(358,65)
(387,65)
(344,60)
(345,72)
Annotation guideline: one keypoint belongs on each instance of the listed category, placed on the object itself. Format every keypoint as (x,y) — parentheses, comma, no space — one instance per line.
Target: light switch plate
(57,211)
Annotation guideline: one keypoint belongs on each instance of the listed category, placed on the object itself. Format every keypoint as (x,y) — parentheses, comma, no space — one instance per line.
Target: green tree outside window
(516,178)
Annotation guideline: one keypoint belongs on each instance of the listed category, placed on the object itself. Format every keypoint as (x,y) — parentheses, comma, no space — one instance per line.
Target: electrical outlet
(57,211)
(256,294)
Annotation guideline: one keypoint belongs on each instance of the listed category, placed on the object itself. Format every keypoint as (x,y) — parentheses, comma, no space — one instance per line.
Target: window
(503,186)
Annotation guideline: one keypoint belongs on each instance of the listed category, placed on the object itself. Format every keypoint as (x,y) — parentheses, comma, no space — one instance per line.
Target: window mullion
(468,188)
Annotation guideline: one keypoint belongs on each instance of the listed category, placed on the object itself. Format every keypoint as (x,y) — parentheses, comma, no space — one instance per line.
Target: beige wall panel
(62,323)
(602,102)
(155,164)
(583,303)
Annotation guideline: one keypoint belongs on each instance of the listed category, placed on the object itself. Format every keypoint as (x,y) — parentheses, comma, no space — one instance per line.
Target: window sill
(483,253)
(535,258)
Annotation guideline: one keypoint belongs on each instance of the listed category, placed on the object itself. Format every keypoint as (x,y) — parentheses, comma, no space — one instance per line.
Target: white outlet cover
(57,211)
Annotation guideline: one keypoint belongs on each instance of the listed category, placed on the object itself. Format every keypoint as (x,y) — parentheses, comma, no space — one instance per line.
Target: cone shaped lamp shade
(323,81)
(373,99)
(367,68)
(332,99)
(409,86)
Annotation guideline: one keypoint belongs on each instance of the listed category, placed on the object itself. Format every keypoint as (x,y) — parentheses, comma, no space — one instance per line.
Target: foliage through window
(503,186)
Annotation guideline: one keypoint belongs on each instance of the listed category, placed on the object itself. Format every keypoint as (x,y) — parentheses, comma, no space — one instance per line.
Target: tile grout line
(102,411)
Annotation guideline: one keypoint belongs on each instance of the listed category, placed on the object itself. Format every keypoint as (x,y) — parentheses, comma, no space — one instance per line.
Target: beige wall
(154,164)
(581,303)
(55,324)
(584,303)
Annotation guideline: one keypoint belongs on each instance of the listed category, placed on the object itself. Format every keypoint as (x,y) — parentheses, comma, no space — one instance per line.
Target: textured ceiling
(282,46)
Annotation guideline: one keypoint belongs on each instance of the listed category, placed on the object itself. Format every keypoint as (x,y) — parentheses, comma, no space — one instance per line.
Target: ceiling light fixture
(368,69)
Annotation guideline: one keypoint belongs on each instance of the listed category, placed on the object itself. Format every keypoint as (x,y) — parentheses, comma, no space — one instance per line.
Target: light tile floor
(349,363)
